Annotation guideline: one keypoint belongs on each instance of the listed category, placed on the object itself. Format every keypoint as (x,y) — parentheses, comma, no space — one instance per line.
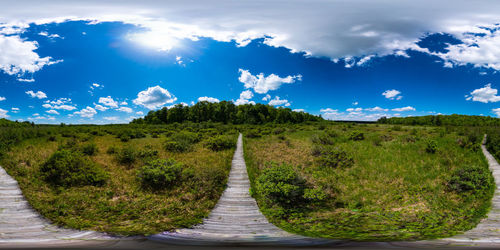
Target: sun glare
(158,41)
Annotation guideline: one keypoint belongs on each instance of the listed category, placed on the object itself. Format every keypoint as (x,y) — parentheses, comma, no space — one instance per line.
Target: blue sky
(114,69)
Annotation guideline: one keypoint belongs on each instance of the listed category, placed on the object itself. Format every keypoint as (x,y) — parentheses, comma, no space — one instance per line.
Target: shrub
(334,158)
(124,138)
(281,184)
(90,149)
(148,152)
(181,142)
(160,174)
(127,155)
(112,150)
(253,133)
(431,146)
(220,142)
(70,168)
(471,178)
(322,138)
(356,136)
(278,131)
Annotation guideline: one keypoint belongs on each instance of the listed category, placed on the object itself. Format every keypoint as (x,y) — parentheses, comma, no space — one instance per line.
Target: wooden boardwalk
(236,219)
(19,223)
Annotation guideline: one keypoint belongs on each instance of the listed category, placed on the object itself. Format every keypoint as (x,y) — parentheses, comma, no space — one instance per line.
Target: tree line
(443,120)
(225,112)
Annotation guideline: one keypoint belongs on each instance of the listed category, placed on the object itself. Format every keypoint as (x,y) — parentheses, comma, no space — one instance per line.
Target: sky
(112,61)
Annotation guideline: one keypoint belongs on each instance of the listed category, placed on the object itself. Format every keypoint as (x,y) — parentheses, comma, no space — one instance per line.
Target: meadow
(370,181)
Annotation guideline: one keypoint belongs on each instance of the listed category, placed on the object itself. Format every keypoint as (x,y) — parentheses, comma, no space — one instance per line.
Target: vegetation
(443,120)
(395,182)
(225,112)
(88,177)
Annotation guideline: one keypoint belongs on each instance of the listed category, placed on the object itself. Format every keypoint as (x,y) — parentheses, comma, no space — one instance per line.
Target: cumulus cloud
(100,107)
(266,98)
(154,97)
(277,102)
(38,94)
(354,109)
(496,111)
(392,94)
(125,109)
(208,99)
(299,110)
(351,115)
(245,97)
(3,113)
(108,101)
(87,112)
(111,118)
(407,108)
(14,110)
(52,111)
(139,113)
(61,103)
(2,98)
(262,84)
(18,56)
(484,95)
(376,109)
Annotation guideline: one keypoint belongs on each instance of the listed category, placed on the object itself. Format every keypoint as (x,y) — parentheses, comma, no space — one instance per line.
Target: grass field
(122,205)
(391,183)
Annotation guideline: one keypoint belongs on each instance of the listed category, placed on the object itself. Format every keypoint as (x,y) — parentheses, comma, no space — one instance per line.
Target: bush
(112,150)
(281,184)
(160,174)
(90,149)
(356,136)
(253,133)
(70,168)
(148,152)
(471,178)
(334,158)
(278,131)
(220,142)
(127,156)
(181,142)
(124,138)
(431,146)
(322,138)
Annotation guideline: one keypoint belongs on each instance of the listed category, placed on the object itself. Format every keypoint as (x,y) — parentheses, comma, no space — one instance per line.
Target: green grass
(396,190)
(122,206)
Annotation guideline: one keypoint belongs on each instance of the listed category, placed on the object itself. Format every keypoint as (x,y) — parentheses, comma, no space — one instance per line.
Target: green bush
(90,149)
(160,174)
(431,146)
(253,133)
(70,168)
(334,158)
(124,138)
(127,155)
(220,142)
(278,131)
(322,138)
(471,178)
(281,184)
(181,142)
(112,150)
(148,152)
(356,136)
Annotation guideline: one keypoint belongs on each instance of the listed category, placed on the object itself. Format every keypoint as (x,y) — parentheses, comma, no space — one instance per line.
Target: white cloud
(328,110)
(3,113)
(38,94)
(64,107)
(496,111)
(355,103)
(54,112)
(125,109)
(124,103)
(354,109)
(266,98)
(408,108)
(154,97)
(376,109)
(26,80)
(100,107)
(18,56)
(277,102)
(245,96)
(484,95)
(15,110)
(46,34)
(478,50)
(208,99)
(262,84)
(139,113)
(299,110)
(61,103)
(2,98)
(333,114)
(108,101)
(392,94)
(111,118)
(87,112)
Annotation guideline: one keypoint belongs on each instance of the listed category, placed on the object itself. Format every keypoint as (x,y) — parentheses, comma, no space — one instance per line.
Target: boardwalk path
(236,218)
(19,223)
(488,230)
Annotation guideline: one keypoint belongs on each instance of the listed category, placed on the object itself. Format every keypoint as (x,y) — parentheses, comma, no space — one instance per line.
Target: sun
(156,40)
